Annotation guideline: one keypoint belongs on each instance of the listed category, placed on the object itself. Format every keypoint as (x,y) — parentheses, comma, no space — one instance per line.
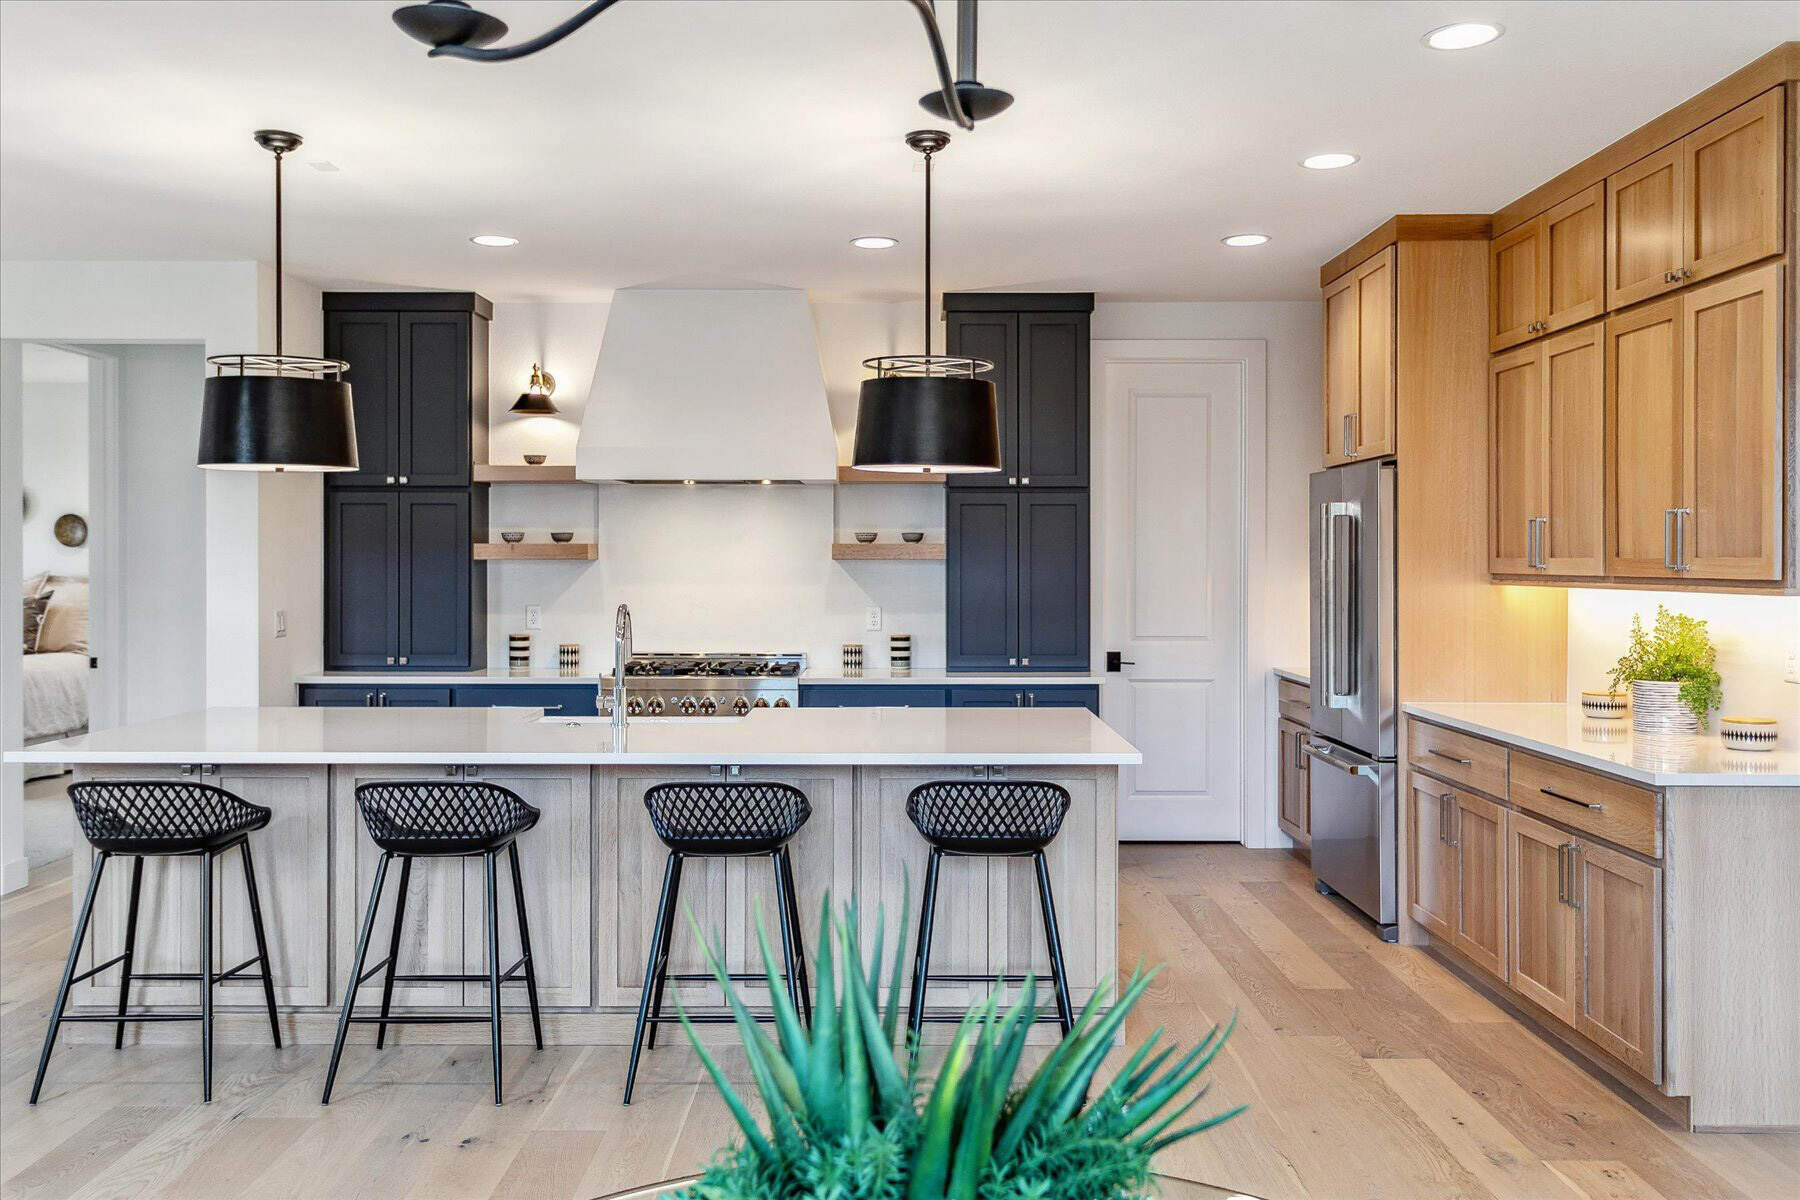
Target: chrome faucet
(621,655)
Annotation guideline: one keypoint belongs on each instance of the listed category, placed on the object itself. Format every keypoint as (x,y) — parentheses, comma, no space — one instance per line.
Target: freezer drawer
(1354,832)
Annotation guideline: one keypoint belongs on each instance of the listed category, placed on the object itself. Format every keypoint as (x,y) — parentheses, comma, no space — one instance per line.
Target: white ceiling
(752,139)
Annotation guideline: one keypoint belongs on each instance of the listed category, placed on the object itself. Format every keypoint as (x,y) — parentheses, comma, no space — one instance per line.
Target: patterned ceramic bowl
(1749,733)
(1605,706)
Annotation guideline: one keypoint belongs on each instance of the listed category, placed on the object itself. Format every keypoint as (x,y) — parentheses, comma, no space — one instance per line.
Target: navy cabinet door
(1052,400)
(370,343)
(987,697)
(362,578)
(434,409)
(1064,697)
(563,699)
(436,562)
(338,695)
(412,697)
(1053,580)
(982,575)
(870,695)
(995,337)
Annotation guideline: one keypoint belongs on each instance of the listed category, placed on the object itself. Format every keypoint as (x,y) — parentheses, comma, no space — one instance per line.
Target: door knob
(1115,660)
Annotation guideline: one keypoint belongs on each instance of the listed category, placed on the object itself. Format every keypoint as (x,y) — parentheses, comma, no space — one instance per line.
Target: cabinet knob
(1025,479)
(403,660)
(390,478)
(1012,662)
(1024,662)
(403,479)
(1012,480)
(390,659)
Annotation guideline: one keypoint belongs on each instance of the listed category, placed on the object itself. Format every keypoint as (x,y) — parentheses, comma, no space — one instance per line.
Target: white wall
(1754,635)
(54,437)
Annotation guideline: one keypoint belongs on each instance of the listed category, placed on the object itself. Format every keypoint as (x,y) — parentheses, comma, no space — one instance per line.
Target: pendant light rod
(928,142)
(277,142)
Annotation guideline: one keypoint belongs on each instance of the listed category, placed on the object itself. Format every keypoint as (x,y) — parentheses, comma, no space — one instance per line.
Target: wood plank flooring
(1372,1072)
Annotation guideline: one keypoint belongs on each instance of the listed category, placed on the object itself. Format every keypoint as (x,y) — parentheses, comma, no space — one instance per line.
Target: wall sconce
(535,399)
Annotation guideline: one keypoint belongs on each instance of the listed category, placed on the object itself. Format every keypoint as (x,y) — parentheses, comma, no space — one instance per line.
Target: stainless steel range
(711,685)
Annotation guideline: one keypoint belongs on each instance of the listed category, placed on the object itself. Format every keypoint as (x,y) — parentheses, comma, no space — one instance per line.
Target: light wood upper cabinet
(1549,273)
(1433,866)
(1547,456)
(1707,204)
(1543,934)
(1359,362)
(1695,420)
(1619,903)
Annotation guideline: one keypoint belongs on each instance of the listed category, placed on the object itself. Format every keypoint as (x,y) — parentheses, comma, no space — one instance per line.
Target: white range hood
(710,385)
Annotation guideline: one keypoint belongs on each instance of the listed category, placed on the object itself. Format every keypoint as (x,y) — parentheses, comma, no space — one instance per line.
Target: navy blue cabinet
(1038,343)
(1025,695)
(402,588)
(993,336)
(563,699)
(566,699)
(373,695)
(981,572)
(1053,580)
(870,695)
(897,695)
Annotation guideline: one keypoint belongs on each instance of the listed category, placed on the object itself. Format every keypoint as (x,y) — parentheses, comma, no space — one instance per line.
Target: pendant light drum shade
(939,423)
(277,422)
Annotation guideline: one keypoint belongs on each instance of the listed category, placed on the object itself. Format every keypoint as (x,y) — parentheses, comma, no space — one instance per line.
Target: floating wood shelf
(537,551)
(900,551)
(852,475)
(524,473)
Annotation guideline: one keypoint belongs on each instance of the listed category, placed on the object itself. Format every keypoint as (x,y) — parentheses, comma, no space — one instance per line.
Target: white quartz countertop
(1562,731)
(947,679)
(1293,676)
(442,678)
(490,736)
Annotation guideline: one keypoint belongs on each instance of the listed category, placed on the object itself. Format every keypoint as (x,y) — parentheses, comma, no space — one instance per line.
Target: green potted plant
(850,1117)
(1674,684)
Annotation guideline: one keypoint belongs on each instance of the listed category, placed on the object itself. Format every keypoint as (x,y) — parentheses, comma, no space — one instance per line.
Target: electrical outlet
(534,616)
(1792,674)
(872,617)
(281,622)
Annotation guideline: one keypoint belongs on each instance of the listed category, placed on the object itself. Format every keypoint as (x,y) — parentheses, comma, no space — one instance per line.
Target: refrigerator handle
(1339,598)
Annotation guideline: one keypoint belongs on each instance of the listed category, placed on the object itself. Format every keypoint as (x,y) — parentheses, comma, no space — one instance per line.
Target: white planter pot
(1656,707)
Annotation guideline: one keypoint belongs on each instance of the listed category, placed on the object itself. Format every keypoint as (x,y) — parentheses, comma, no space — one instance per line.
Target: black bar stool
(433,819)
(721,820)
(155,818)
(987,820)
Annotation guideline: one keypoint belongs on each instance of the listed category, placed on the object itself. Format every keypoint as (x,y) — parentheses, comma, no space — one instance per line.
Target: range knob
(740,706)
(761,702)
(654,707)
(688,707)
(708,706)
(782,703)
(634,707)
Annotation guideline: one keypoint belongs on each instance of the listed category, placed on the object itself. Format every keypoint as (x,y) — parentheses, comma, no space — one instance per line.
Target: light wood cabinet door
(1732,168)
(1620,906)
(1573,239)
(1645,204)
(1373,424)
(1478,846)
(1518,466)
(1433,865)
(1342,367)
(1516,285)
(1647,453)
(1572,537)
(1295,812)
(1542,934)
(1732,429)
(293,882)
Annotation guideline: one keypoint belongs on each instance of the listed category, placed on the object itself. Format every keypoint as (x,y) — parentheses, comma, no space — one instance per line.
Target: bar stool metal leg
(362,953)
(666,922)
(922,959)
(493,957)
(393,955)
(793,897)
(262,944)
(1064,1013)
(785,907)
(131,921)
(537,1022)
(68,978)
(206,976)
(657,961)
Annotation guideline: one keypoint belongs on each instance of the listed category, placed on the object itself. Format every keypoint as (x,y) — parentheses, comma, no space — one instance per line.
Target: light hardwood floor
(1371,1071)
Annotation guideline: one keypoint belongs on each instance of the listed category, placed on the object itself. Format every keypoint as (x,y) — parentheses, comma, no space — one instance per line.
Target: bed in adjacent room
(55,664)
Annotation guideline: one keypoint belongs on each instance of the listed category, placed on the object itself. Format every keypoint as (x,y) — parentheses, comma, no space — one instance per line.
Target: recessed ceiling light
(1245,239)
(1464,35)
(1328,162)
(494,239)
(874,242)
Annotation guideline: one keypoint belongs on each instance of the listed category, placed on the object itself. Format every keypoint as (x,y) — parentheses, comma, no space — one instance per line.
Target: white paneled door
(1172,495)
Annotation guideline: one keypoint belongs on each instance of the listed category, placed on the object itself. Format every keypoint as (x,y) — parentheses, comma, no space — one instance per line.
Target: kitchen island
(592,866)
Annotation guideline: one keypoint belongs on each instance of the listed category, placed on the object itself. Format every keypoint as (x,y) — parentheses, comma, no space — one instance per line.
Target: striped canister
(1656,707)
(518,652)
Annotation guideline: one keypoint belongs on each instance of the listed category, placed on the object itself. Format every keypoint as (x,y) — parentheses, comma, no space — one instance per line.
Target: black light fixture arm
(947,86)
(531,46)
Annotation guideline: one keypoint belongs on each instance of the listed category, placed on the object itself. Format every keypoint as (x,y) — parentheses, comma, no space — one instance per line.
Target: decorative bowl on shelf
(512,537)
(865,536)
(562,535)
(1605,706)
(1749,733)
(913,536)
(534,460)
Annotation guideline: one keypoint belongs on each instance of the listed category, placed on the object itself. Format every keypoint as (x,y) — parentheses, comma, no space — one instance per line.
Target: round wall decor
(71,530)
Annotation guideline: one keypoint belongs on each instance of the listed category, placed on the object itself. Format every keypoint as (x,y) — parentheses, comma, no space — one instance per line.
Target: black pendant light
(927,412)
(277,412)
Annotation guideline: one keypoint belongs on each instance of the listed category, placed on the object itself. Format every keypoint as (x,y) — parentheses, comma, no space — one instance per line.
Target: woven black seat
(156,818)
(720,820)
(434,818)
(986,819)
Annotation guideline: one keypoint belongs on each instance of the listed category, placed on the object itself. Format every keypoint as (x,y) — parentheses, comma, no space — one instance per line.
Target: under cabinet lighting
(873,242)
(494,239)
(1330,161)
(1246,239)
(1464,35)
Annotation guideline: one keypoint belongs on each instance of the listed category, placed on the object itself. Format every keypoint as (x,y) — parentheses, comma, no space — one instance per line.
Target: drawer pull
(1572,800)
(1461,762)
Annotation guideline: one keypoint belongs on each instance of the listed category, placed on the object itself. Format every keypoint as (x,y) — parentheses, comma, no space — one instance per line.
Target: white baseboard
(14,875)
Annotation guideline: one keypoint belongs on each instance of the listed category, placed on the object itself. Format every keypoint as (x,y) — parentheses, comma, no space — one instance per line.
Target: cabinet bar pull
(1444,818)
(368,699)
(1346,435)
(1562,874)
(1669,538)
(1572,800)
(1574,875)
(1681,558)
(1018,699)
(1455,823)
(1461,762)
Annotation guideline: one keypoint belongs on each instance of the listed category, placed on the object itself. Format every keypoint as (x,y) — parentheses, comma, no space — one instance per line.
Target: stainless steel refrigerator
(1355,834)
